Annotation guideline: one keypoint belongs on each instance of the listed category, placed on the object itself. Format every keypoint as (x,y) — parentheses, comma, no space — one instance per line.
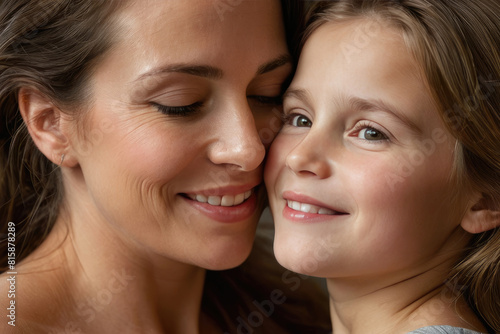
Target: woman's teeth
(226,200)
(309,208)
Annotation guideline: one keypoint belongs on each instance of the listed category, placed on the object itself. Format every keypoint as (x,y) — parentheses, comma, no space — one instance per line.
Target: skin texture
(129,227)
(363,138)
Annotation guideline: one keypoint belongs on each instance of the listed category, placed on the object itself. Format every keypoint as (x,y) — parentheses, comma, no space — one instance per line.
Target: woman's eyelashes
(194,108)
(179,111)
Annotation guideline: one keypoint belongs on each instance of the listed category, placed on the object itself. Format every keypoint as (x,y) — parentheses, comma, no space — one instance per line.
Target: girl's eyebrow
(361,104)
(299,94)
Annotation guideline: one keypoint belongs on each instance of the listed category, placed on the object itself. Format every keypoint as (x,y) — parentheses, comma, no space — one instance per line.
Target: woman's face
(183,107)
(359,176)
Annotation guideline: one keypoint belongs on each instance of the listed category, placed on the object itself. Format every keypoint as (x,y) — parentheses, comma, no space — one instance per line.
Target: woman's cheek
(156,152)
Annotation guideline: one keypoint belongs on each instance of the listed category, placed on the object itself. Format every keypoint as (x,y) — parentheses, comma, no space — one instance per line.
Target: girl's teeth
(313,209)
(305,207)
(309,208)
(226,200)
(324,211)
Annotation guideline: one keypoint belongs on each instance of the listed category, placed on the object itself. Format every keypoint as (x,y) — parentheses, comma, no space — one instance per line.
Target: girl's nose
(309,158)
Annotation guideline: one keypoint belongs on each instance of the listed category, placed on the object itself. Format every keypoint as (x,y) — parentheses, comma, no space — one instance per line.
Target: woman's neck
(108,284)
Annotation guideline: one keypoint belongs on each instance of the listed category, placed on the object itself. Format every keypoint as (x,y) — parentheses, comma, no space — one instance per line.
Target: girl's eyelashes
(178,111)
(363,130)
(297,120)
(369,132)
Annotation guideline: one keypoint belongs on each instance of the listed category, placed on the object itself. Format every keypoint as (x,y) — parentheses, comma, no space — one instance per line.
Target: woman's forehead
(198,16)
(243,37)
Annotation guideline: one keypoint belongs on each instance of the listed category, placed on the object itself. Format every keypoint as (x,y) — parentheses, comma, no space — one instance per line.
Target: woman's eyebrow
(211,72)
(205,71)
(275,63)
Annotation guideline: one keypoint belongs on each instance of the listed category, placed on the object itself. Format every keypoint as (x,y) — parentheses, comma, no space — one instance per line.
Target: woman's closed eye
(179,111)
(192,109)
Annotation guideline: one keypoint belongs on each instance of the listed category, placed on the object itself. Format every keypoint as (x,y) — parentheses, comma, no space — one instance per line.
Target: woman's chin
(224,258)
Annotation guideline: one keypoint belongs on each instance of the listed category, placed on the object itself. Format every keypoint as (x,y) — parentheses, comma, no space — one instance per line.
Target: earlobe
(43,120)
(482,216)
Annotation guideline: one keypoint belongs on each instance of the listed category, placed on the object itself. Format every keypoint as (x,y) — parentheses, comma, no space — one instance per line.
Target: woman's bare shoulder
(18,316)
(28,298)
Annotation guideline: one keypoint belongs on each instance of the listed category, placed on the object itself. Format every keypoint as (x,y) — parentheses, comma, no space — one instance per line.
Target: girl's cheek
(276,158)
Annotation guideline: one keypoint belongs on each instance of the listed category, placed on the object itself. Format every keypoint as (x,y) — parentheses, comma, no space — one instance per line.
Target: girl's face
(184,106)
(359,178)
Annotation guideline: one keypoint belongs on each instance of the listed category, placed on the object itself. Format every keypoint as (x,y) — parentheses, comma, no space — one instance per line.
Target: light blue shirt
(443,330)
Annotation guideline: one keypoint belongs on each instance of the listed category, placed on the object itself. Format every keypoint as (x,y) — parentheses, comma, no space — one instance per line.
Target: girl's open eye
(297,120)
(179,111)
(371,134)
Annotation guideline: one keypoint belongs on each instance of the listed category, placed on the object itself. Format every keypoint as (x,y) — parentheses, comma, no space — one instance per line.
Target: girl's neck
(399,306)
(109,285)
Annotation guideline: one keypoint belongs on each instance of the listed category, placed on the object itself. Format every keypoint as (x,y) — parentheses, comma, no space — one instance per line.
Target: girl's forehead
(335,51)
(339,66)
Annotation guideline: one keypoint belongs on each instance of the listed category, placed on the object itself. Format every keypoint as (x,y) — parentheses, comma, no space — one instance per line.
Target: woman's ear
(46,126)
(482,215)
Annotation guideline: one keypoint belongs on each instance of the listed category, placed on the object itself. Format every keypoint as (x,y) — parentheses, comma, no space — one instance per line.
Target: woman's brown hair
(53,47)
(457,44)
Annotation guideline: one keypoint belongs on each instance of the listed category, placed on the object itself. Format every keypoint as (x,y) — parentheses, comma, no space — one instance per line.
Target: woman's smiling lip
(232,190)
(299,207)
(227,204)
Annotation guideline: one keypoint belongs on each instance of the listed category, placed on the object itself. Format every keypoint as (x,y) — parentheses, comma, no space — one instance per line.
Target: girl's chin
(307,261)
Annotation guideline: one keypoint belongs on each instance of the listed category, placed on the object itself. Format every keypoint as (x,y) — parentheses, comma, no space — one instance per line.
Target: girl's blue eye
(371,134)
(300,121)
(179,111)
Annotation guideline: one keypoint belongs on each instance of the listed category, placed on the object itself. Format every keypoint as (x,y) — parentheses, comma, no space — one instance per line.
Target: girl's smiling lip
(299,207)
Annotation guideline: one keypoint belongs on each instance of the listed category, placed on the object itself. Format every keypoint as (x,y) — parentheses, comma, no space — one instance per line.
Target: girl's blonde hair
(457,44)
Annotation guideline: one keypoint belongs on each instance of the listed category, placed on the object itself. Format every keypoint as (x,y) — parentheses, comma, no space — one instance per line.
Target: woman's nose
(238,142)
(310,157)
